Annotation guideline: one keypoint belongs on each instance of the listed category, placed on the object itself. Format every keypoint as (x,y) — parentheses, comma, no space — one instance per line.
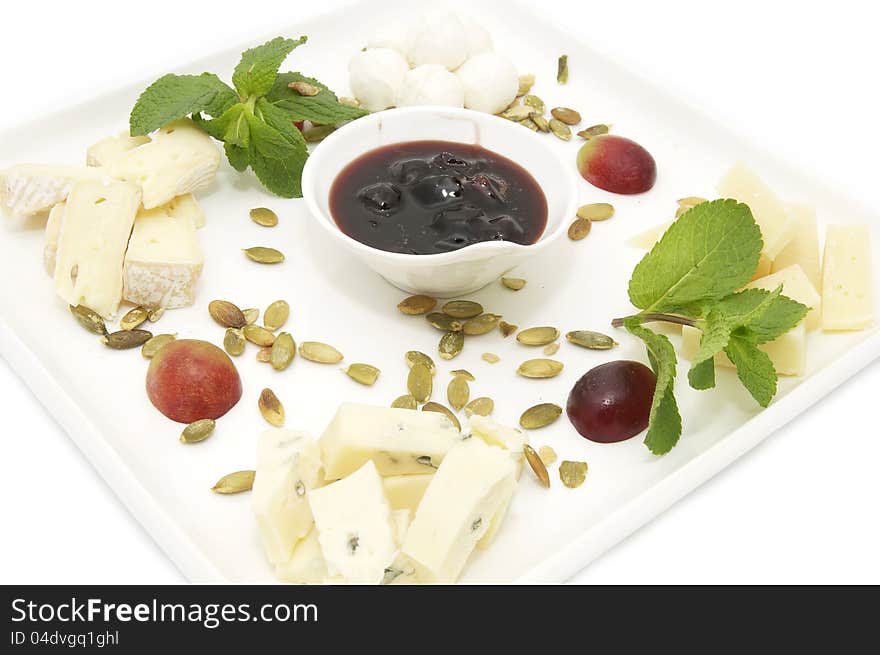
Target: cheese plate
(97,395)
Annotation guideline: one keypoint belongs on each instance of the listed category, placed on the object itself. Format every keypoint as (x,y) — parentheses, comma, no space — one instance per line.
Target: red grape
(616,164)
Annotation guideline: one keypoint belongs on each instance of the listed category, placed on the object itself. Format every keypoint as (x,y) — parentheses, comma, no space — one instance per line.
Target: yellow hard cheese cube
(847,279)
(796,286)
(803,249)
(788,352)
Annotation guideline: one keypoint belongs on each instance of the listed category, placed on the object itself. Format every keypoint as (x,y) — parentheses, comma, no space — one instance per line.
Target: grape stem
(667,318)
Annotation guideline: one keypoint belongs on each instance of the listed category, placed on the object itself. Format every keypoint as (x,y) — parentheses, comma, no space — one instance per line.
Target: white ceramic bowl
(461,271)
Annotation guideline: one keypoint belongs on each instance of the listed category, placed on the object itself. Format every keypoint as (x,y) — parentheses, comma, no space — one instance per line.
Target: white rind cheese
(354,526)
(788,353)
(288,468)
(106,150)
(53,231)
(95,229)
(803,249)
(398,441)
(306,565)
(186,206)
(406,491)
(847,279)
(473,485)
(796,286)
(32,189)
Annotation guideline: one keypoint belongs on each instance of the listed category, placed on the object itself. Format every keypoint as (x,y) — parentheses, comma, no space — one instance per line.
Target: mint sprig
(691,277)
(254,120)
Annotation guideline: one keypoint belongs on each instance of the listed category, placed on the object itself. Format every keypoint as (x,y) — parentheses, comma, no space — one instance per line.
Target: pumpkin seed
(537,465)
(315,351)
(516,112)
(405,402)
(481,324)
(156,344)
(462,309)
(417,305)
(271,408)
(440,409)
(529,123)
(363,374)
(594,130)
(458,392)
(572,474)
(513,283)
(540,368)
(234,342)
(540,416)
(460,372)
(263,255)
(304,88)
(526,82)
(126,339)
(597,211)
(492,358)
(264,216)
(133,318)
(506,328)
(349,102)
(235,483)
(198,431)
(534,102)
(283,351)
(414,357)
(250,315)
(551,349)
(318,133)
(420,382)
(547,455)
(566,115)
(443,322)
(156,314)
(276,315)
(89,319)
(258,335)
(691,201)
(450,345)
(480,406)
(540,122)
(264,355)
(538,336)
(226,314)
(591,340)
(579,229)
(562,69)
(560,129)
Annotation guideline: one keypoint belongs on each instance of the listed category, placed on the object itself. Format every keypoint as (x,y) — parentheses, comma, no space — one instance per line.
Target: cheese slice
(178,160)
(406,491)
(764,266)
(472,486)
(796,286)
(495,434)
(847,279)
(398,441)
(106,150)
(778,228)
(53,231)
(28,190)
(164,261)
(803,249)
(788,353)
(288,468)
(306,565)
(353,519)
(95,229)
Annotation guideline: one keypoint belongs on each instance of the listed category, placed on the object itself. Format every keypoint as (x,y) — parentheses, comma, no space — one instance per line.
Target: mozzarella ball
(430,85)
(375,77)
(476,37)
(438,39)
(395,34)
(490,82)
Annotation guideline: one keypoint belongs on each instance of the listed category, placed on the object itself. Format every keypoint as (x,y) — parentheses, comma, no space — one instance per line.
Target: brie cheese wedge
(106,150)
(32,189)
(53,231)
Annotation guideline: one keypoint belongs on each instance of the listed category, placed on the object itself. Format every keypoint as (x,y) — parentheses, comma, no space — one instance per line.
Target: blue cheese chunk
(510,439)
(404,492)
(306,565)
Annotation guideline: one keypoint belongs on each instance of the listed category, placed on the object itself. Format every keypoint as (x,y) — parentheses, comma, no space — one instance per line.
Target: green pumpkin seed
(540,122)
(537,465)
(234,342)
(315,351)
(133,318)
(540,368)
(596,211)
(547,455)
(572,474)
(566,115)
(526,82)
(560,129)
(513,283)
(156,344)
(535,103)
(198,431)
(443,322)
(458,392)
(156,314)
(540,416)
(405,402)
(226,314)
(283,351)
(562,69)
(263,255)
(579,229)
(304,88)
(318,133)
(414,357)
(258,335)
(126,339)
(516,112)
(420,382)
(264,216)
(591,340)
(363,374)
(276,315)
(507,328)
(691,201)
(349,102)
(594,130)
(250,315)
(264,355)
(460,372)
(538,336)
(480,406)
(491,358)
(440,409)
(482,324)
(551,349)
(450,345)
(89,319)
(417,305)
(271,408)
(462,309)
(235,483)
(529,123)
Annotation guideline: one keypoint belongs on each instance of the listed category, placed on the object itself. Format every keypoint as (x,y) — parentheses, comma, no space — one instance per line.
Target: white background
(799,77)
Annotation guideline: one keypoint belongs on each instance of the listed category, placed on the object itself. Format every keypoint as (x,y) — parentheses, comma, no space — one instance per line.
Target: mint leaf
(231,127)
(259,66)
(754,368)
(175,96)
(280,122)
(238,157)
(709,252)
(779,317)
(664,426)
(321,109)
(701,376)
(275,158)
